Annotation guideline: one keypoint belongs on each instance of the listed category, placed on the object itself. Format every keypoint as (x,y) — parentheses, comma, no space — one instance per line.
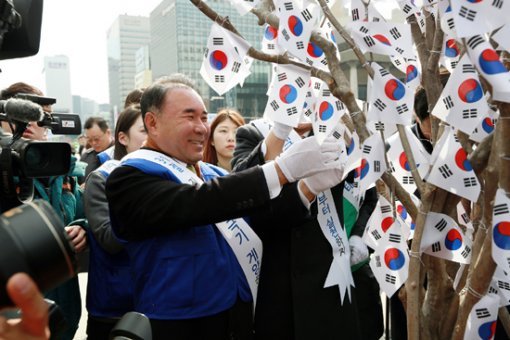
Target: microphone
(132,326)
(21,110)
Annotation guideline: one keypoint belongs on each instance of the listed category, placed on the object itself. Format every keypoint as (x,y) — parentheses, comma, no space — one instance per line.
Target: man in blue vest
(191,276)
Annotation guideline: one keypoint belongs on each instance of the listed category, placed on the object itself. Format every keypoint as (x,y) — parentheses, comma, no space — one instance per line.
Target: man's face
(425,127)
(98,139)
(181,128)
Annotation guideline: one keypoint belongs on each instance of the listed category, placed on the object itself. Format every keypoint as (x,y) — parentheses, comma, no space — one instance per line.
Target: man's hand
(359,250)
(78,237)
(324,180)
(281,131)
(33,324)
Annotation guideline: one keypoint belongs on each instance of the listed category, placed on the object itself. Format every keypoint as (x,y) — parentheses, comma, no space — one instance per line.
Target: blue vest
(110,283)
(189,273)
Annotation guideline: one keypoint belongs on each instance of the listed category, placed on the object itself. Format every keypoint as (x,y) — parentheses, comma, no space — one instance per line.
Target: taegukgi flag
(328,112)
(373,163)
(380,221)
(501,230)
(481,322)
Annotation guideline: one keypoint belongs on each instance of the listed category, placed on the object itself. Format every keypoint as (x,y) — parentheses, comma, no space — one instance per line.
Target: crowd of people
(210,229)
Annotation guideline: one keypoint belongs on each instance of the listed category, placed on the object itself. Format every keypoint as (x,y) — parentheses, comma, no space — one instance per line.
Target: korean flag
(478,17)
(354,154)
(315,56)
(390,263)
(408,7)
(462,103)
(296,26)
(486,126)
(328,112)
(225,63)
(289,86)
(270,40)
(450,53)
(481,322)
(360,12)
(451,170)
(373,162)
(406,217)
(490,67)
(413,73)
(244,6)
(501,230)
(391,101)
(501,37)
(447,20)
(379,223)
(443,238)
(501,283)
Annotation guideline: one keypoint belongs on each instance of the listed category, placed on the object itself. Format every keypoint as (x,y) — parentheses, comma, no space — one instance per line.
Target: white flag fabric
(486,126)
(244,6)
(373,163)
(477,17)
(406,217)
(225,63)
(443,238)
(490,67)
(359,12)
(501,281)
(390,262)
(462,103)
(451,169)
(482,320)
(287,94)
(270,40)
(391,101)
(379,223)
(501,37)
(328,112)
(447,20)
(354,154)
(501,230)
(400,165)
(450,53)
(408,7)
(413,73)
(296,25)
(315,56)
(463,218)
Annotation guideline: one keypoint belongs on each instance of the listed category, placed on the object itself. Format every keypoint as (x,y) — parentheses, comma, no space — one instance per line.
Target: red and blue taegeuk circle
(314,50)
(489,62)
(386,223)
(470,91)
(488,125)
(350,148)
(453,239)
(411,73)
(487,330)
(404,163)
(451,50)
(295,25)
(501,235)
(394,258)
(326,111)
(394,89)
(362,170)
(270,33)
(402,211)
(462,161)
(382,39)
(288,94)
(218,60)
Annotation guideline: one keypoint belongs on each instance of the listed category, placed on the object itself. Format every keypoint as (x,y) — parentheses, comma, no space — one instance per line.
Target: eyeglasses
(95,139)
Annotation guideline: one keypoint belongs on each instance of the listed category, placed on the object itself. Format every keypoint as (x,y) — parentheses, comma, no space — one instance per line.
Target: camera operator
(34,319)
(64,195)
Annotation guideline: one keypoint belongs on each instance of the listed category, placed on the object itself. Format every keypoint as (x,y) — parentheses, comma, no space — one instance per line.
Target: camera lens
(33,240)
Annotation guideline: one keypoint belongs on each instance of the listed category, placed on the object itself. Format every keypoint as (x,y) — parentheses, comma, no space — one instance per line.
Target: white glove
(359,250)
(324,180)
(306,158)
(281,131)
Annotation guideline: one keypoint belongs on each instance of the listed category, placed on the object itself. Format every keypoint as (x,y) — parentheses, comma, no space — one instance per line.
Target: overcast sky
(76,28)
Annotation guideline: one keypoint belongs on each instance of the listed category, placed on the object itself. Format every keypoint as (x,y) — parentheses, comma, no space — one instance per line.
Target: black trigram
(470,182)
(300,45)
(324,62)
(445,171)
(376,235)
(306,15)
(500,209)
(402,108)
(482,313)
(367,149)
(492,290)
(322,128)
(441,225)
(436,247)
(407,179)
(206,52)
(217,41)
(474,41)
(392,167)
(308,112)
(448,102)
(379,126)
(394,238)
(395,33)
(282,76)
(450,23)
(286,34)
(336,134)
(467,13)
(339,105)
(376,19)
(291,111)
(422,22)
(399,50)
(465,217)
(469,113)
(219,79)
(407,9)
(397,62)
(379,105)
(355,14)
(288,6)
(377,259)
(270,46)
(383,72)
(236,66)
(454,64)
(377,166)
(275,105)
(309,61)
(326,92)
(497,3)
(503,285)
(390,279)
(468,68)
(465,253)
(363,29)
(317,86)
(369,41)
(385,209)
(300,82)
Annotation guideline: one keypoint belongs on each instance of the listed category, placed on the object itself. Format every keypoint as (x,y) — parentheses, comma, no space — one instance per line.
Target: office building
(58,82)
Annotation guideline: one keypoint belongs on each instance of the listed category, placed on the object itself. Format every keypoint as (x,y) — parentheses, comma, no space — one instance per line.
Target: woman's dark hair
(19,87)
(210,155)
(126,119)
(133,97)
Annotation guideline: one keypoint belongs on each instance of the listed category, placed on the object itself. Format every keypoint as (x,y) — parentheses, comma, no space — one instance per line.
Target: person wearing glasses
(99,137)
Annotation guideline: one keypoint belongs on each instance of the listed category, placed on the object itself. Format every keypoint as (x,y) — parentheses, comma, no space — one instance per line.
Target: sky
(76,28)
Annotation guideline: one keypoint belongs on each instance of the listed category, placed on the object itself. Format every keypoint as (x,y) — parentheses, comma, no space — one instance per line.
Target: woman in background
(221,143)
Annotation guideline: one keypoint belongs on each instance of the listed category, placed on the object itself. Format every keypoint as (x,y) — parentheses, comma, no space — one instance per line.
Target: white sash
(340,271)
(245,244)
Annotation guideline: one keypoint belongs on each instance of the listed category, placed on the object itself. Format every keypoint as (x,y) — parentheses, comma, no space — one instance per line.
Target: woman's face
(135,137)
(224,139)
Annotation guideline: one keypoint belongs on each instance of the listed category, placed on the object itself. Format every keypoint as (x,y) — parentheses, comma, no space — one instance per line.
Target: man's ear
(150,121)
(123,138)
